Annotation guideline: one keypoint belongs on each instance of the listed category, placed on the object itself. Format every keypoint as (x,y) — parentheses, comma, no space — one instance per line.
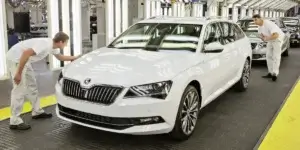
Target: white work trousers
(273,56)
(27,88)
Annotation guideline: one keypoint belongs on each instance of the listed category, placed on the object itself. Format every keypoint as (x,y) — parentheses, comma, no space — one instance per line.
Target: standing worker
(20,57)
(272,34)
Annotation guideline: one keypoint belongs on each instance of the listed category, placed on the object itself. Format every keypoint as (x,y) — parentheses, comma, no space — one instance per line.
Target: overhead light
(3,41)
(77,27)
(124,15)
(53,28)
(65,5)
(110,21)
(117,17)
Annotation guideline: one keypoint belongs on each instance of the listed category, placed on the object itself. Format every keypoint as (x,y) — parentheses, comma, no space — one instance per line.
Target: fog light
(150,120)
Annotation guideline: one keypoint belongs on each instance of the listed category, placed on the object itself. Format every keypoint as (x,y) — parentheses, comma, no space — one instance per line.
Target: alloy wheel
(246,74)
(189,113)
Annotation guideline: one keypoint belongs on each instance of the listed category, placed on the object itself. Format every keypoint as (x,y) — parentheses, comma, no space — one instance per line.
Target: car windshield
(291,22)
(159,36)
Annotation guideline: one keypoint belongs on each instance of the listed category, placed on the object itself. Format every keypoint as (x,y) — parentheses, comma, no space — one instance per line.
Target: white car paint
(216,72)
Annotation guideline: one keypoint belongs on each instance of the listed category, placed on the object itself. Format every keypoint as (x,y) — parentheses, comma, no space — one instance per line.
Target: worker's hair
(256,16)
(61,37)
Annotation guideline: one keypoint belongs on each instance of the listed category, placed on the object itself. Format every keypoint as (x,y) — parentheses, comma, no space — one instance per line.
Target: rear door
(231,51)
(243,46)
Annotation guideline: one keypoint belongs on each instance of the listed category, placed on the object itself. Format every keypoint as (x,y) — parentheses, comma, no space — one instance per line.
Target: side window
(282,23)
(239,34)
(228,33)
(212,34)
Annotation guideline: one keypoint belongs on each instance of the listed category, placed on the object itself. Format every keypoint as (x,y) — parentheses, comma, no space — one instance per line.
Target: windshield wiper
(150,48)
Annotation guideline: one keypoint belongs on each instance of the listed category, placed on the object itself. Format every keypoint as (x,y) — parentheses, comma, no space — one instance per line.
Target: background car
(156,76)
(257,44)
(293,25)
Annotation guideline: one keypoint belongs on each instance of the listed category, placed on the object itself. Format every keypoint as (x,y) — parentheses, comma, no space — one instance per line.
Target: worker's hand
(76,57)
(265,39)
(17,78)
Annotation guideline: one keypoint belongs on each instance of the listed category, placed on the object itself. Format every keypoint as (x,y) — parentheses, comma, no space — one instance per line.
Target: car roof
(250,18)
(291,17)
(184,20)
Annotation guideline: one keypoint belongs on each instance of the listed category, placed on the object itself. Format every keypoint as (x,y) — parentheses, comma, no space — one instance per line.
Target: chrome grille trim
(103,94)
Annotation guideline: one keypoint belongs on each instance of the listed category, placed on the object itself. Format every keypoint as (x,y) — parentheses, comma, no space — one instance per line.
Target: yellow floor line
(45,102)
(284,133)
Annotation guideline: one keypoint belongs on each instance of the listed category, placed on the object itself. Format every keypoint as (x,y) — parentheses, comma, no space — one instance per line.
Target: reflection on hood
(252,34)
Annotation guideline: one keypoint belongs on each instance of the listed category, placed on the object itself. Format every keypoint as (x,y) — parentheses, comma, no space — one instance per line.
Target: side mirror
(214,47)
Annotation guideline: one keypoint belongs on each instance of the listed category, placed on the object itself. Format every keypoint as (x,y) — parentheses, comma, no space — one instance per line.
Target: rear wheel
(187,114)
(243,83)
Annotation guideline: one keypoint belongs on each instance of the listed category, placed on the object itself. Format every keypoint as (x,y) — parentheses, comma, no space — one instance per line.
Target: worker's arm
(65,58)
(24,58)
(274,36)
(274,30)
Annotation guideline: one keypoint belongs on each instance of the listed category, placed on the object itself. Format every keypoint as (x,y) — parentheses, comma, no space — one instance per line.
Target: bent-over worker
(274,37)
(19,59)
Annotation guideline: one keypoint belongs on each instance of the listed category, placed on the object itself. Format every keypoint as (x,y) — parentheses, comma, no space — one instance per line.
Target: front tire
(187,114)
(243,83)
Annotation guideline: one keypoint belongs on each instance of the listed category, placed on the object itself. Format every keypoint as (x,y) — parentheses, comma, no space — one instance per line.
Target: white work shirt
(268,28)
(41,46)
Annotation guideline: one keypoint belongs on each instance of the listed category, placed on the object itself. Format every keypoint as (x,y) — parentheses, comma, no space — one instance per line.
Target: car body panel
(216,72)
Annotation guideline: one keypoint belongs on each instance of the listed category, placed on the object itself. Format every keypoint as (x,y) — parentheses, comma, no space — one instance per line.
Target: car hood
(125,67)
(255,40)
(253,37)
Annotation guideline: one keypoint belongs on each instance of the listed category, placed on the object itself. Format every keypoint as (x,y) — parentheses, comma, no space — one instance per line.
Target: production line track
(235,121)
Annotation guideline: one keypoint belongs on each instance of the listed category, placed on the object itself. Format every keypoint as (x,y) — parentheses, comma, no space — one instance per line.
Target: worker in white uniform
(274,36)
(19,59)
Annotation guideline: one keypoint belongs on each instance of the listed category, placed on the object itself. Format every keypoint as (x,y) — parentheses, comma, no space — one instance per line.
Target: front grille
(258,56)
(253,45)
(97,94)
(104,121)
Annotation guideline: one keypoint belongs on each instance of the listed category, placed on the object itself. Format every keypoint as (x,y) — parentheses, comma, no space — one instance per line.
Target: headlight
(264,44)
(261,45)
(158,90)
(60,76)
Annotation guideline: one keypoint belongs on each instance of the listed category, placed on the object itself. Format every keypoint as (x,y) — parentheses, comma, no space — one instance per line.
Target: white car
(259,47)
(155,77)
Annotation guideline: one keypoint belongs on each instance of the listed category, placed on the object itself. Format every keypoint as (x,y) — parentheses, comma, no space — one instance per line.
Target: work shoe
(42,116)
(269,75)
(21,126)
(274,78)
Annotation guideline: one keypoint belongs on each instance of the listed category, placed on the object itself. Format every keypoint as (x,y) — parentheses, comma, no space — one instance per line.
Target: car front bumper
(137,116)
(258,57)
(259,54)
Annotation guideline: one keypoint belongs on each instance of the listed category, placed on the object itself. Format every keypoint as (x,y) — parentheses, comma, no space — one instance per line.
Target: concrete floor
(235,121)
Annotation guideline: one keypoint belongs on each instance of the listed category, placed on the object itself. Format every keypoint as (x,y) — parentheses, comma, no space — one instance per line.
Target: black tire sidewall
(242,81)
(177,131)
